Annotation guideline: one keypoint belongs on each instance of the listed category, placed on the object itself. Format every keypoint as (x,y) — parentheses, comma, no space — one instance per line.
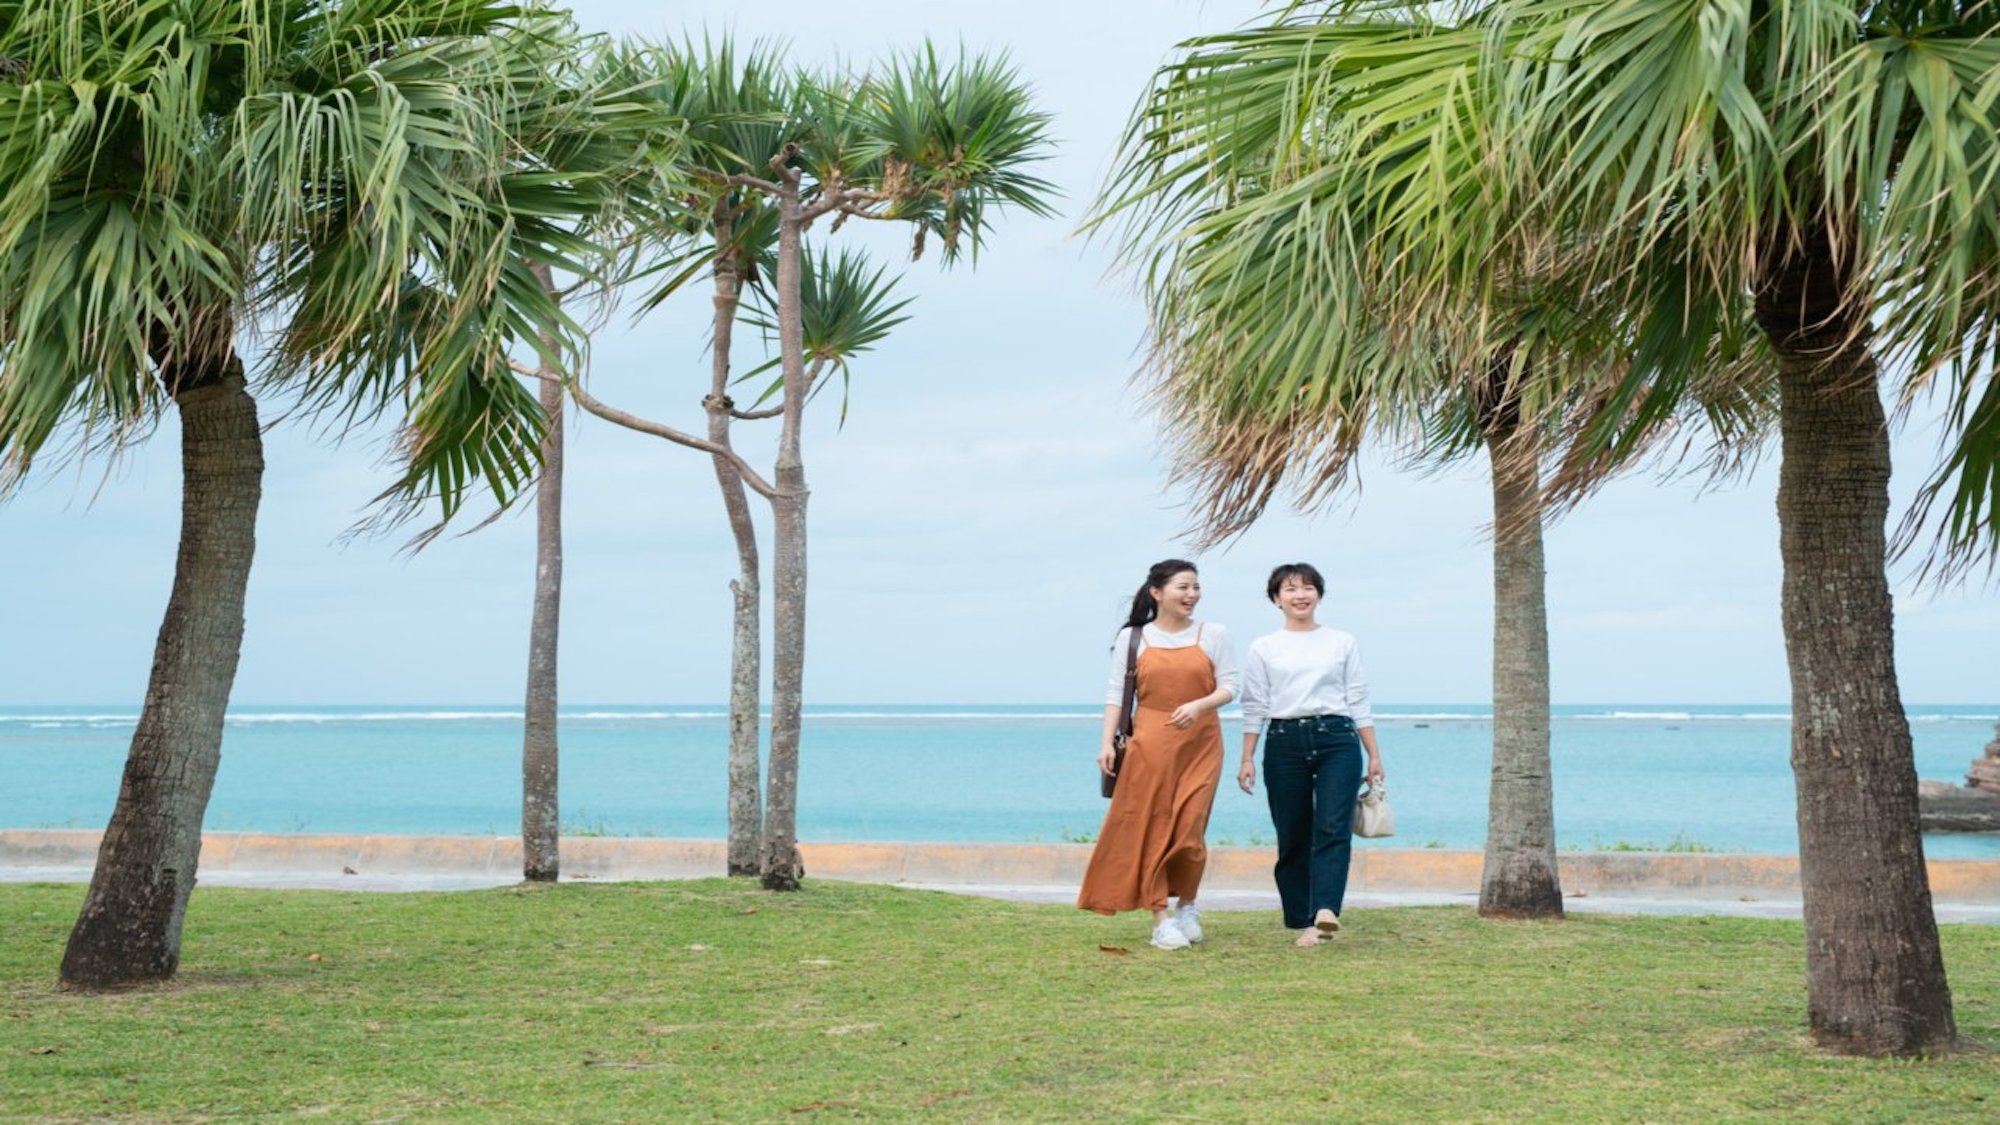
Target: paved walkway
(1984,914)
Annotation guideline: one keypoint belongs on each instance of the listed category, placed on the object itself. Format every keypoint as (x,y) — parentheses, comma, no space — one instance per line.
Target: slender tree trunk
(1520,879)
(541,809)
(1875,980)
(746,805)
(781,865)
(129,931)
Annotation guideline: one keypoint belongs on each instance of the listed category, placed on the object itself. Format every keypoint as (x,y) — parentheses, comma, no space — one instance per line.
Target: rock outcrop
(1972,807)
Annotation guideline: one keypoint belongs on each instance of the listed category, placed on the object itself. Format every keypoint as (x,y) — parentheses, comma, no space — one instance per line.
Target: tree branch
(659,430)
(812,377)
(865,213)
(781,163)
(739,179)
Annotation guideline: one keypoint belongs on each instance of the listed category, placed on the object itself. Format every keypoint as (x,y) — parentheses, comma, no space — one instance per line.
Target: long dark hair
(1145,606)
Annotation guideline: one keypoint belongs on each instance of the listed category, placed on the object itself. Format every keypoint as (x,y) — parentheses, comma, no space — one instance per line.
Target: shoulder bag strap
(1131,685)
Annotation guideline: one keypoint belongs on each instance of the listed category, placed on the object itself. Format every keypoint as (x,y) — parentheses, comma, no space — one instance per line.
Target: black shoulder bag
(1107,783)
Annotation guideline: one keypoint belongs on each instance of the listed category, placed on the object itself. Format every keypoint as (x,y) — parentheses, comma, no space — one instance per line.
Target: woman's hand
(1375,774)
(1107,760)
(1185,715)
(1246,778)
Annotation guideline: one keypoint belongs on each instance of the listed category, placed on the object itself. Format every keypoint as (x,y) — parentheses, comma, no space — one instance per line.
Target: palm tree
(1831,170)
(1838,180)
(729,106)
(849,307)
(541,753)
(617,156)
(1826,173)
(1281,160)
(334,175)
(940,147)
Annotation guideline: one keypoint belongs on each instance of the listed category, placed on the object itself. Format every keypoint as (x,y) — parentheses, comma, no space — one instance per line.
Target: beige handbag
(1372,817)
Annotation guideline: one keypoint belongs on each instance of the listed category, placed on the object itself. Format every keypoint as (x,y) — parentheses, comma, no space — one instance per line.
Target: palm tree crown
(360,184)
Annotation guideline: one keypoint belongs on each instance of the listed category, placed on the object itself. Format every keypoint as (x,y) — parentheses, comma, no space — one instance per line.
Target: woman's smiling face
(1298,599)
(1180,595)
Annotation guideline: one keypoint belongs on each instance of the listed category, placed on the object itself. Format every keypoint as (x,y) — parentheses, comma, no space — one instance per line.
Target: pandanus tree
(941,147)
(1264,182)
(728,103)
(848,307)
(617,156)
(331,178)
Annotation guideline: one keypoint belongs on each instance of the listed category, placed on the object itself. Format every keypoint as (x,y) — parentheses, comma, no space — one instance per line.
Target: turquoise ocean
(1626,776)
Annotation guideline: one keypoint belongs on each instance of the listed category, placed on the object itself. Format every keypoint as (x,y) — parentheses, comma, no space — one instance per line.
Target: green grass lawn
(713,1000)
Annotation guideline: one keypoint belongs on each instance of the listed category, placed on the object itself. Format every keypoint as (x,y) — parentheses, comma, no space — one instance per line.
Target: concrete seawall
(1649,875)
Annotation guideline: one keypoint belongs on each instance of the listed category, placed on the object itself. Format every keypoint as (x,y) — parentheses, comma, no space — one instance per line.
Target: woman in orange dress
(1151,848)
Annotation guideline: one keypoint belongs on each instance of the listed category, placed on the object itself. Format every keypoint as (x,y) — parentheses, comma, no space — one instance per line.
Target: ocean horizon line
(105,715)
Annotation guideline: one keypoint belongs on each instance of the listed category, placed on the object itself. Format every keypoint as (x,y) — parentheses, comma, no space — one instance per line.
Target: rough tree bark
(1520,878)
(129,931)
(1875,980)
(780,865)
(745,800)
(541,810)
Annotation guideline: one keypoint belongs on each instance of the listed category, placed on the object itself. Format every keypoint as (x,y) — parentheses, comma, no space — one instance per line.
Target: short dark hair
(1304,572)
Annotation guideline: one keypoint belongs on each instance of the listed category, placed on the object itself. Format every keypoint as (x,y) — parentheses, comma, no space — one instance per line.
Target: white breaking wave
(247,719)
(1683,717)
(69,720)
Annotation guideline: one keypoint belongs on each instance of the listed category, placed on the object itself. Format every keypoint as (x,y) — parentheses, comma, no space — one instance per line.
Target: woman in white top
(1304,685)
(1151,847)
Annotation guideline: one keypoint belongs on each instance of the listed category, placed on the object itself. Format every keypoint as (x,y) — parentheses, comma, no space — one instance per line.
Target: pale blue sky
(978,524)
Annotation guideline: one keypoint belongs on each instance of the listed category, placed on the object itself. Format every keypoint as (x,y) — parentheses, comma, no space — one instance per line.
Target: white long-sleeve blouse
(1292,674)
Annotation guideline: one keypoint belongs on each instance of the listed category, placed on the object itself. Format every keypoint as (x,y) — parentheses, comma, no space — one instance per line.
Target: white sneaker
(1167,935)
(1188,918)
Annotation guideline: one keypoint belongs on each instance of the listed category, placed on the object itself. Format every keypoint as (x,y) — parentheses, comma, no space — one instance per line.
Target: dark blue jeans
(1312,771)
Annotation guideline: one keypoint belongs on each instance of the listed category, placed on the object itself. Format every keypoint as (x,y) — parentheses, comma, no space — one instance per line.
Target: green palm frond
(110,253)
(1331,251)
(361,183)
(956,144)
(847,307)
(836,144)
(733,107)
(1711,133)
(737,103)
(939,146)
(455,167)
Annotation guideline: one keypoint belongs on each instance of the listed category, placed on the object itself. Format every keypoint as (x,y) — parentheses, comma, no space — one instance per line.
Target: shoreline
(440,862)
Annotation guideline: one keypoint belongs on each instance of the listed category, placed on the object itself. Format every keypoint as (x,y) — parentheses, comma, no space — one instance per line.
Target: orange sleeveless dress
(1152,843)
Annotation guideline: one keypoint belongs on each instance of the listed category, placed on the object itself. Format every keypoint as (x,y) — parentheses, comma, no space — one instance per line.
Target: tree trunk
(745,799)
(129,931)
(1875,981)
(541,809)
(780,864)
(1520,879)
